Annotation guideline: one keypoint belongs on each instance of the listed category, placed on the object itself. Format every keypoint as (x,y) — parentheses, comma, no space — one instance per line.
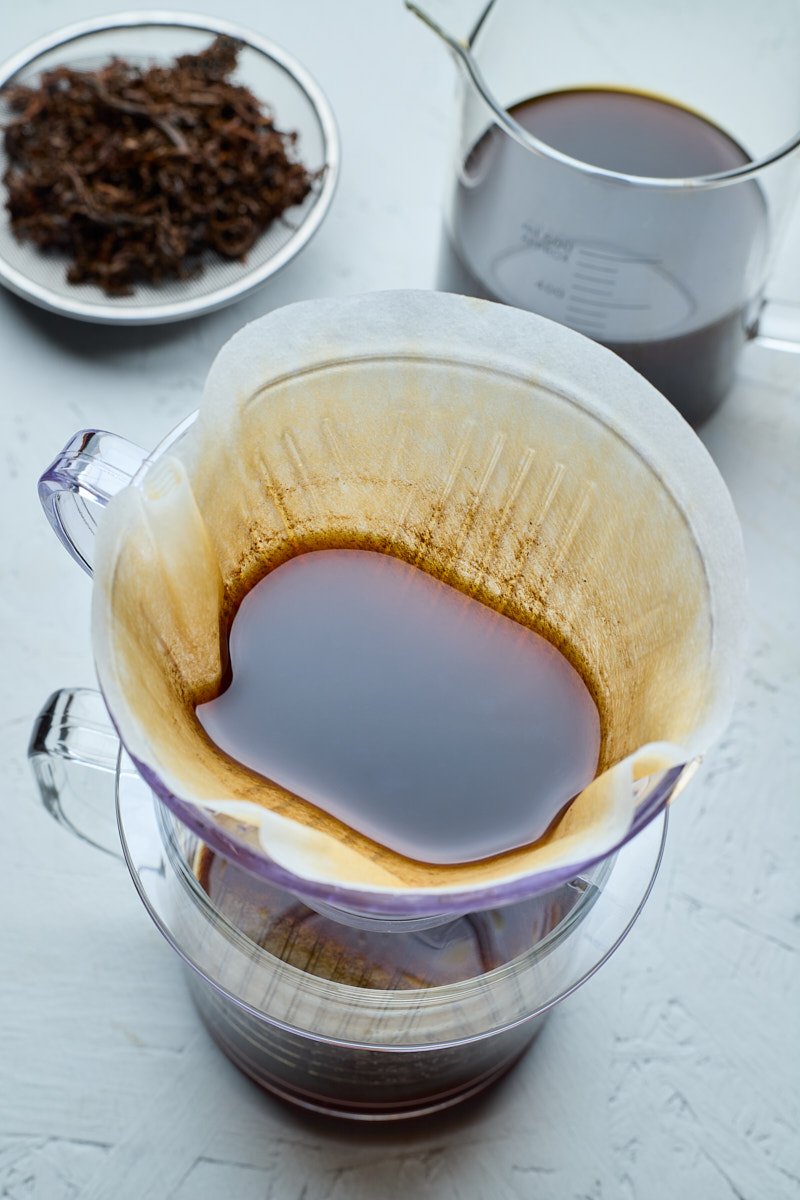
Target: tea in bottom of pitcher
(440,978)
(462,948)
(411,712)
(660,276)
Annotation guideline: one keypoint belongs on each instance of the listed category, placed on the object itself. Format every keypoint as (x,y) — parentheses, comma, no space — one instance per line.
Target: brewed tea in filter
(503,456)
(399,705)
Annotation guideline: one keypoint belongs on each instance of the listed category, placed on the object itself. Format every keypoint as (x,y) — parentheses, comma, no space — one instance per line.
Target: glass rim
(373,1000)
(689,183)
(166,821)
(383,901)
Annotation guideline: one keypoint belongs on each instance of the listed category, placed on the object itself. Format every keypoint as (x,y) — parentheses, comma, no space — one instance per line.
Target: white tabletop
(673,1073)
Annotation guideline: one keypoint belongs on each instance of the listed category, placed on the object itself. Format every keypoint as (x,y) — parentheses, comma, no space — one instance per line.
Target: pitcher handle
(74,755)
(91,468)
(777,326)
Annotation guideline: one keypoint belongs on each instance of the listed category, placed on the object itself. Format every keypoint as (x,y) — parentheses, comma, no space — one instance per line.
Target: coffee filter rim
(400,324)
(400,900)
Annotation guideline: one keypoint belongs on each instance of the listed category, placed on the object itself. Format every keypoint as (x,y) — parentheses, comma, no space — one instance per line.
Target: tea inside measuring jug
(661,278)
(399,960)
(418,716)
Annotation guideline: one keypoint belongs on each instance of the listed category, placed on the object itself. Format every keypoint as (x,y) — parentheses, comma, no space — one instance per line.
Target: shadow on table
(479,1148)
(407,1131)
(84,339)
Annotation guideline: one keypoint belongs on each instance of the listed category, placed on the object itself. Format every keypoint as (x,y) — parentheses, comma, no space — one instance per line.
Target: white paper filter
(509,456)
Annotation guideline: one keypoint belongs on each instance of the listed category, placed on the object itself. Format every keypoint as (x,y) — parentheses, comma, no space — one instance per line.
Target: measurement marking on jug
(551,289)
(591,291)
(621,258)
(592,325)
(596,270)
(595,317)
(590,321)
(591,330)
(592,307)
(552,244)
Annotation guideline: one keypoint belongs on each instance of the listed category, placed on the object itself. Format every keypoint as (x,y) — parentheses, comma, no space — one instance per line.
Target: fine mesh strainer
(282,85)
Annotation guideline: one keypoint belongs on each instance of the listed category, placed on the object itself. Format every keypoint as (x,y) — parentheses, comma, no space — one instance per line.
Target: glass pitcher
(368,1025)
(628,171)
(340,998)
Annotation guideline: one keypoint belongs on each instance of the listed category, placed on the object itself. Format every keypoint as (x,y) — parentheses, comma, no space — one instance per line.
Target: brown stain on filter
(490,488)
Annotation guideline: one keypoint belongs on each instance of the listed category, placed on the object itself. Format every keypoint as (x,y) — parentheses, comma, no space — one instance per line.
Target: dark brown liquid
(414,714)
(337,1075)
(668,279)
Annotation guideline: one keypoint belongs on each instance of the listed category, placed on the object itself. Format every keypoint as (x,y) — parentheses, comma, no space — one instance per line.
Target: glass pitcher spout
(460,47)
(427,14)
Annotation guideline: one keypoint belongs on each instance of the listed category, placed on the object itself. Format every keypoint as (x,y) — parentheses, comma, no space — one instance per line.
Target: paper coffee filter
(509,457)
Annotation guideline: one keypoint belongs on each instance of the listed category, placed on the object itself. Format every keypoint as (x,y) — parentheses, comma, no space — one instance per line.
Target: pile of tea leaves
(137,175)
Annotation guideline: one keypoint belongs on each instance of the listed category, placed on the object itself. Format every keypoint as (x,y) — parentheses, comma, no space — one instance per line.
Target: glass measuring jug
(629,172)
(368,1025)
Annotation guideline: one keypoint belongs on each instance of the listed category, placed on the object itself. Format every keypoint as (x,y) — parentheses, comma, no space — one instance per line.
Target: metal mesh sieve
(271,74)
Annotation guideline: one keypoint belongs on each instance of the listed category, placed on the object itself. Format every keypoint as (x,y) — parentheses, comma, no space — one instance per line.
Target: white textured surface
(672,1074)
